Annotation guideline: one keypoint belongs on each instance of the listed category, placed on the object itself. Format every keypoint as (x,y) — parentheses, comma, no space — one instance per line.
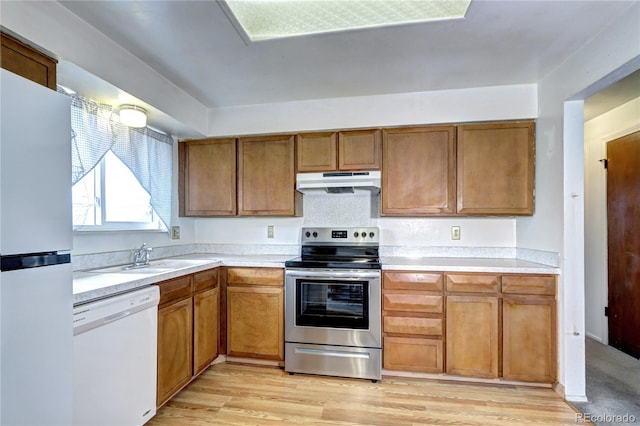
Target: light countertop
(88,286)
(466,264)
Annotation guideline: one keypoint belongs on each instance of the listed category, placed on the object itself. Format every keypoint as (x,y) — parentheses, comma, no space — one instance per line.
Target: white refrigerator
(36,294)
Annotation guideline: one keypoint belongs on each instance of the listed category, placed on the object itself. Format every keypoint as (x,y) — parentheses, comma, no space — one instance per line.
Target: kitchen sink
(154,267)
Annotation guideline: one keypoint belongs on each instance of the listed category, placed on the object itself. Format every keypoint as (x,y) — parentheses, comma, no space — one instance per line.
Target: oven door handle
(333,274)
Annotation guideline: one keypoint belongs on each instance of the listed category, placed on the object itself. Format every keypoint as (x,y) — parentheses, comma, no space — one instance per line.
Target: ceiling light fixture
(133,116)
(258,20)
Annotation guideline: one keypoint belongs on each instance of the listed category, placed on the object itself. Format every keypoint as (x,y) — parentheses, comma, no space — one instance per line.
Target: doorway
(623,218)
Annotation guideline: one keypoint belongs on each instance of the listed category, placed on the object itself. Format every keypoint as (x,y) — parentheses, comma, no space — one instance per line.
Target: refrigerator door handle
(33,260)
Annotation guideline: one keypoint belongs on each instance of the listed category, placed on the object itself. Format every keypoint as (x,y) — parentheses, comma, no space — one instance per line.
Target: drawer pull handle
(339,354)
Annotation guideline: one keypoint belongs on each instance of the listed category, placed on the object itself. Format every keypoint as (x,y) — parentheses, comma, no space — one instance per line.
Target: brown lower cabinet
(188,330)
(473,336)
(471,324)
(529,328)
(412,321)
(255,313)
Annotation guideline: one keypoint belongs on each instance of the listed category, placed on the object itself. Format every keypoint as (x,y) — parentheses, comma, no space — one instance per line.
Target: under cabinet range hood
(338,182)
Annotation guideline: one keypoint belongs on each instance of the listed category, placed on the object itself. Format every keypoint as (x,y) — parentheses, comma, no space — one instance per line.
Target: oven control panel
(338,236)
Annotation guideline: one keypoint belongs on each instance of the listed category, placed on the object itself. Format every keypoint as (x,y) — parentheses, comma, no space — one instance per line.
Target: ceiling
(195,46)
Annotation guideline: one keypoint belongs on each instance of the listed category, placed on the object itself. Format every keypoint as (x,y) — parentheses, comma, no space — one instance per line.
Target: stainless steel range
(332,304)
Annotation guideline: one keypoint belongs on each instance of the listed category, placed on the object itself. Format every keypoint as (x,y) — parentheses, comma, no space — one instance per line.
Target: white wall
(445,106)
(557,223)
(598,131)
(360,210)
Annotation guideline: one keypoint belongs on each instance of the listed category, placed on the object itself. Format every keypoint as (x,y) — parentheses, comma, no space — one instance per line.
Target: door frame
(571,282)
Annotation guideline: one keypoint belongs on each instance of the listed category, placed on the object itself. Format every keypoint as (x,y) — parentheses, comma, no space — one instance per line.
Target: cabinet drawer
(473,283)
(175,289)
(411,325)
(529,284)
(413,354)
(412,302)
(205,279)
(261,276)
(412,281)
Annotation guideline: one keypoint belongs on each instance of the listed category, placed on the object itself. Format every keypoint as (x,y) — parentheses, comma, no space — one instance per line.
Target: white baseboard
(576,398)
(594,337)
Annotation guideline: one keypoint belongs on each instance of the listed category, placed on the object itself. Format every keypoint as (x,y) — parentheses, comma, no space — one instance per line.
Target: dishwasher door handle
(115,317)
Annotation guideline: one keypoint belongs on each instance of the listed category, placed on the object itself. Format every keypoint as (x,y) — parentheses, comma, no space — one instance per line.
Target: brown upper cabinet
(418,171)
(266,176)
(251,176)
(495,168)
(317,152)
(339,151)
(482,169)
(24,60)
(207,177)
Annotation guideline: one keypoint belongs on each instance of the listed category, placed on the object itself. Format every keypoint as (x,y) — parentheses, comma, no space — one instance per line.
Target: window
(121,176)
(111,198)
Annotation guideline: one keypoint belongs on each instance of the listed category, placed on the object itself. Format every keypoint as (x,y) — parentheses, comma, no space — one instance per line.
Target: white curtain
(147,153)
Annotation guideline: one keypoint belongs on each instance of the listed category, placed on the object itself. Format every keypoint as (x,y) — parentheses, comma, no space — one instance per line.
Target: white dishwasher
(115,365)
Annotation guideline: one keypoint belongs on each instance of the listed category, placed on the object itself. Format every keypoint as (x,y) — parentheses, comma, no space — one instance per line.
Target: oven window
(330,303)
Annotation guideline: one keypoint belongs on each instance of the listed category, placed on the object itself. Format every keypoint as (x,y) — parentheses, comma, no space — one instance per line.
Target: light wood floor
(233,394)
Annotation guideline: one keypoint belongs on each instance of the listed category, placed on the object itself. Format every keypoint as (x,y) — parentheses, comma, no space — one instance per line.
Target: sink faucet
(141,255)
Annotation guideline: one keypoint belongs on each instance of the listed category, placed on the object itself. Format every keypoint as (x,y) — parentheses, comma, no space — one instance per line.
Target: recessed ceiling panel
(259,20)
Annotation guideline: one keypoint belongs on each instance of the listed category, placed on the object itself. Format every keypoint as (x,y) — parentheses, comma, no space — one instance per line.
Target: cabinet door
(27,62)
(496,168)
(266,176)
(316,152)
(413,354)
(359,150)
(255,322)
(175,366)
(472,336)
(207,175)
(529,339)
(205,328)
(418,171)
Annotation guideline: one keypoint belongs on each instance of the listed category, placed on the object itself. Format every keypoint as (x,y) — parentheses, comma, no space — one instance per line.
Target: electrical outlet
(270,231)
(455,232)
(175,232)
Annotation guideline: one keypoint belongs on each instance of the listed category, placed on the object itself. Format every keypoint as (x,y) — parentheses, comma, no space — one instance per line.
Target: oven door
(333,307)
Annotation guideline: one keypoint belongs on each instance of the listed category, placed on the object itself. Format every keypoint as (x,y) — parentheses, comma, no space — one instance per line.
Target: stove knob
(315,234)
(371,234)
(307,234)
(356,235)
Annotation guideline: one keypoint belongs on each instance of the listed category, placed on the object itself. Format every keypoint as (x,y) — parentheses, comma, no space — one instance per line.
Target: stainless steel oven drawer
(361,363)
